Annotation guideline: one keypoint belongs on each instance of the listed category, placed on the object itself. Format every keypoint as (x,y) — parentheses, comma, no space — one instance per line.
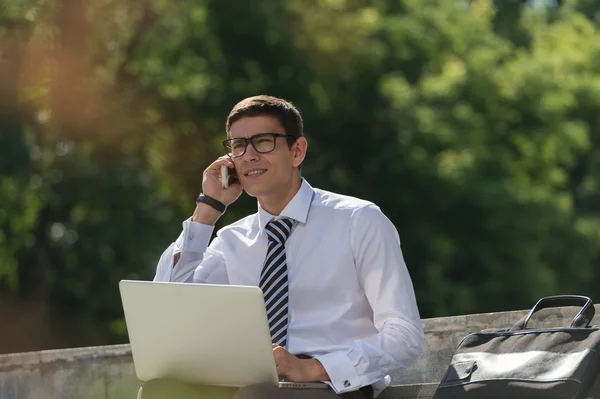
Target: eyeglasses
(262,143)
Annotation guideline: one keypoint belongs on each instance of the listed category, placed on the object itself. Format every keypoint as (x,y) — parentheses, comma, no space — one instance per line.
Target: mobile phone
(228,176)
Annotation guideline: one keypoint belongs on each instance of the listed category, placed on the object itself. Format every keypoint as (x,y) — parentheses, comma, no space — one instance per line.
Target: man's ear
(299,151)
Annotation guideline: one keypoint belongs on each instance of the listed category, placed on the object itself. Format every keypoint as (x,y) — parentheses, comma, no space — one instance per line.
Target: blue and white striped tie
(274,279)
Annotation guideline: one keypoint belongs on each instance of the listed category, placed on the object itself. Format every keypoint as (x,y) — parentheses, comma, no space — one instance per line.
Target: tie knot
(279,230)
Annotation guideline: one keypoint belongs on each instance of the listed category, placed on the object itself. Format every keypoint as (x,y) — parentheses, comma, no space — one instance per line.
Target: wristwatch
(218,205)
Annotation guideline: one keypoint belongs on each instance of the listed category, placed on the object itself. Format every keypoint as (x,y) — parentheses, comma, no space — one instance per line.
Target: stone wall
(107,372)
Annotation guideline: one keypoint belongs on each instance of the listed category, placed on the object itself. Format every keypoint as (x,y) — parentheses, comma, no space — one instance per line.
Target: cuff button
(346,384)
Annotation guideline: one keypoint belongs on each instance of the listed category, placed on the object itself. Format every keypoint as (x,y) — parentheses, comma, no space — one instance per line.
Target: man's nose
(251,154)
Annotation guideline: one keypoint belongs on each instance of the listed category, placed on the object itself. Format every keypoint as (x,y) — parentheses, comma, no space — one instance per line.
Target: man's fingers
(278,353)
(215,167)
(280,366)
(282,360)
(226,160)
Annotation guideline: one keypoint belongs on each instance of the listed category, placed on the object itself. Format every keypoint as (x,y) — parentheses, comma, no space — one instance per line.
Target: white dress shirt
(351,300)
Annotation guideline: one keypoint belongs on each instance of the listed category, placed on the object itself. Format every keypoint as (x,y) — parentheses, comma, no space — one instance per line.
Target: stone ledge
(25,360)
(413,391)
(107,372)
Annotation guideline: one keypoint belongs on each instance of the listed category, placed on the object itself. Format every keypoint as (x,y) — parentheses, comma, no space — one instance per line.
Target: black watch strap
(218,205)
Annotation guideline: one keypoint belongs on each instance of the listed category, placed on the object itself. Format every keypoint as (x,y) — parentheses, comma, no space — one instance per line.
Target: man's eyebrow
(255,134)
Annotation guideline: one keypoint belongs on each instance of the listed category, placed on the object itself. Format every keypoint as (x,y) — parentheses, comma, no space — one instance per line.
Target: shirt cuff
(194,237)
(342,375)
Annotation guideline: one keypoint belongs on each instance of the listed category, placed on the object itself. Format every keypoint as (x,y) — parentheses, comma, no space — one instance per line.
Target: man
(339,298)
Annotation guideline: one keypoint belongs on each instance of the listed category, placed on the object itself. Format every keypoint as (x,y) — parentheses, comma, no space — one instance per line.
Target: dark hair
(284,111)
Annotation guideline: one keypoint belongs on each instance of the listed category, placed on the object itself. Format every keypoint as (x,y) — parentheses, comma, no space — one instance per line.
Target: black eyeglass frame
(290,140)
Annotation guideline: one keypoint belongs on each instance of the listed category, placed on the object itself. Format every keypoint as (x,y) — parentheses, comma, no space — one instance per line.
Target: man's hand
(298,370)
(211,186)
(211,182)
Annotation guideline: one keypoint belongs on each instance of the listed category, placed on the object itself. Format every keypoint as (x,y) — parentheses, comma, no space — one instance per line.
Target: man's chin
(254,190)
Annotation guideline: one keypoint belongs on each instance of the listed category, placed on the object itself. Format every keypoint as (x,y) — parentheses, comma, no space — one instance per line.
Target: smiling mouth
(255,172)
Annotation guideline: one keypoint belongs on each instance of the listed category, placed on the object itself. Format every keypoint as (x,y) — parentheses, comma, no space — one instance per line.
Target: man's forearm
(205,214)
(183,256)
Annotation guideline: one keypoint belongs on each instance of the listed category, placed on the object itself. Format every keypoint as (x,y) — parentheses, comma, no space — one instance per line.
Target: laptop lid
(200,333)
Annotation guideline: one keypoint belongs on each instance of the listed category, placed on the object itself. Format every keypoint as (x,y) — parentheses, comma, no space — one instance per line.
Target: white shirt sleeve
(387,285)
(198,262)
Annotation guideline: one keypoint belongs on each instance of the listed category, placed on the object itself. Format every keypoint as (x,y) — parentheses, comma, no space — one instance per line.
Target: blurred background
(474,125)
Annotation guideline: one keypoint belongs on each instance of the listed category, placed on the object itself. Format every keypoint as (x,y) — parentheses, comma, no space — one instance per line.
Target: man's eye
(263,140)
(237,145)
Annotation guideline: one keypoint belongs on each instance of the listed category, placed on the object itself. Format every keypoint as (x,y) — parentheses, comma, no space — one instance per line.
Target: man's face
(270,174)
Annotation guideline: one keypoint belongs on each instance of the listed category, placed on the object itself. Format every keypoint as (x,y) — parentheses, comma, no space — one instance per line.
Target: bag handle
(581,320)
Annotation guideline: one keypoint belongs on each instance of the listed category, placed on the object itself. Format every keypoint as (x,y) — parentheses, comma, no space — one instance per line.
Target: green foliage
(473,124)
(499,138)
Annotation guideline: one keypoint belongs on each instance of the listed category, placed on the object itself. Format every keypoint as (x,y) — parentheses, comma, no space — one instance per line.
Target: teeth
(255,172)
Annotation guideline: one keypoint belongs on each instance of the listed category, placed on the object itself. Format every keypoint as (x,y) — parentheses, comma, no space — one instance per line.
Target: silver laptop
(201,333)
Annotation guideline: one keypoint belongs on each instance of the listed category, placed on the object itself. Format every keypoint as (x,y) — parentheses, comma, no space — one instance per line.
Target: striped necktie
(274,279)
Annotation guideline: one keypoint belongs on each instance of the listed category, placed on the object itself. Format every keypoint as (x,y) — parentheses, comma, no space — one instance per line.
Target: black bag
(522,363)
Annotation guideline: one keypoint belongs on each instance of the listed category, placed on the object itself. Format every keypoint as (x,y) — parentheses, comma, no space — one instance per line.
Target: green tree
(78,209)
(502,143)
(473,124)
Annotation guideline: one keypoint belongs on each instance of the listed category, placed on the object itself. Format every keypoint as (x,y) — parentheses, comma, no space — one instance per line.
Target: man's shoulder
(242,225)
(339,202)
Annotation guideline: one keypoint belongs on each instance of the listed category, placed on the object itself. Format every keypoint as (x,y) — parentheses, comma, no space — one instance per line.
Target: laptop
(201,333)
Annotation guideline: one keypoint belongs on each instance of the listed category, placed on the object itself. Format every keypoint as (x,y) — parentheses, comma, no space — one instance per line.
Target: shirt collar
(296,209)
